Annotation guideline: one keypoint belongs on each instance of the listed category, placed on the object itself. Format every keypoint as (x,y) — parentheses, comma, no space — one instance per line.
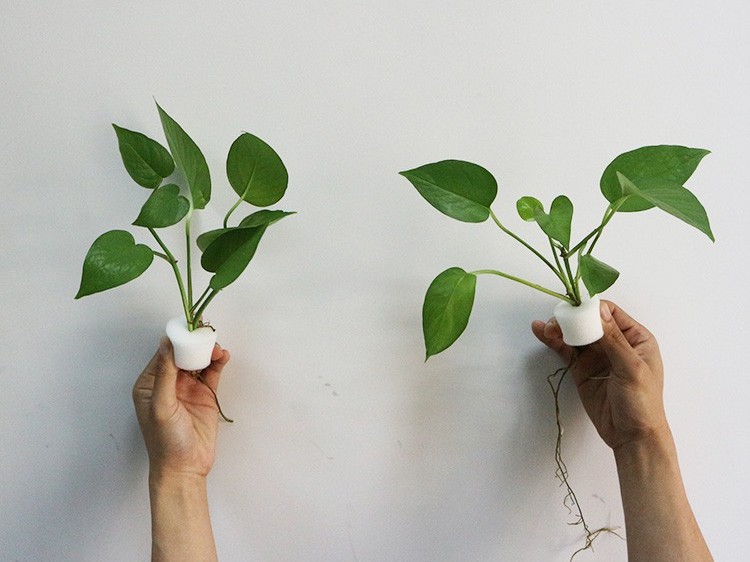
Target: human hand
(177,413)
(620,378)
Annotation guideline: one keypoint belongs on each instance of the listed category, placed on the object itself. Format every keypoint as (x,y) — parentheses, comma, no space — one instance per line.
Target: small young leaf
(229,252)
(164,207)
(147,162)
(529,208)
(447,307)
(596,275)
(255,171)
(113,259)
(189,160)
(461,190)
(671,198)
(675,164)
(556,225)
(265,217)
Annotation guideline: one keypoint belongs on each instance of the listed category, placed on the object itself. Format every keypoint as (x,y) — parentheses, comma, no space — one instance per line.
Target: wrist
(657,447)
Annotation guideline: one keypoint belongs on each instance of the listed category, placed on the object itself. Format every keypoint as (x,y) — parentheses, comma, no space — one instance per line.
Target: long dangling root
(570,501)
(198,375)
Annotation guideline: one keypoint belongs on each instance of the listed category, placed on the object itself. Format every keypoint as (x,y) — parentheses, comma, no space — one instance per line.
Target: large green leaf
(189,160)
(461,190)
(255,171)
(261,218)
(596,275)
(556,224)
(447,307)
(113,259)
(164,207)
(147,162)
(674,164)
(671,198)
(229,252)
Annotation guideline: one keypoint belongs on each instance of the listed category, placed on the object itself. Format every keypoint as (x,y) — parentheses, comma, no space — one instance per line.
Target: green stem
(189,264)
(544,290)
(574,285)
(566,282)
(199,313)
(527,246)
(226,217)
(173,262)
(608,214)
(200,300)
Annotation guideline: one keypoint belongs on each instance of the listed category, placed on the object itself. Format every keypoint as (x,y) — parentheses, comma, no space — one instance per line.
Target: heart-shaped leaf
(229,252)
(447,307)
(596,275)
(147,162)
(671,198)
(189,159)
(461,190)
(164,207)
(529,208)
(556,225)
(113,259)
(255,171)
(674,164)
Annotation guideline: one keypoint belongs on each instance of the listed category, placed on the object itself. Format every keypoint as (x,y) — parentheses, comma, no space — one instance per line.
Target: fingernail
(605,312)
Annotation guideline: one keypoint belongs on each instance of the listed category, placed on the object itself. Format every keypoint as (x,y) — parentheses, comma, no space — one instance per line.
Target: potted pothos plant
(179,184)
(648,177)
(642,179)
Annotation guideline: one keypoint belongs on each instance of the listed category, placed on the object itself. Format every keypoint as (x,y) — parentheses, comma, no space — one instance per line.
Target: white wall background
(346,446)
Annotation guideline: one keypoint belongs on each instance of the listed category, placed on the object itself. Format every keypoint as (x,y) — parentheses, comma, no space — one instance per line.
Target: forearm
(180,522)
(659,521)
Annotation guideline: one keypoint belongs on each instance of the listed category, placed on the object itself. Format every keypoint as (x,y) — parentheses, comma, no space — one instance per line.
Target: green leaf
(674,164)
(164,207)
(671,198)
(596,275)
(147,162)
(113,259)
(228,253)
(189,160)
(461,190)
(529,208)
(447,307)
(265,217)
(261,218)
(255,171)
(556,225)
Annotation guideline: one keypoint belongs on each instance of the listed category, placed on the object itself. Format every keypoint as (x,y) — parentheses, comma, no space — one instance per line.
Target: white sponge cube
(192,350)
(582,324)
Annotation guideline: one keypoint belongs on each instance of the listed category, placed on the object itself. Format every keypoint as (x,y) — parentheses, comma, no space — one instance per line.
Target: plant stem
(527,283)
(609,212)
(230,211)
(189,264)
(574,283)
(566,282)
(199,313)
(173,262)
(527,246)
(200,300)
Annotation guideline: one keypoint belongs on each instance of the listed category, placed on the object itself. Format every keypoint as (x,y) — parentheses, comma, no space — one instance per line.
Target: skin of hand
(620,378)
(177,413)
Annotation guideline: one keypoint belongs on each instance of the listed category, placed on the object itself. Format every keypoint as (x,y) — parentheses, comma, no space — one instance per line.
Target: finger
(165,376)
(634,332)
(212,374)
(614,344)
(550,334)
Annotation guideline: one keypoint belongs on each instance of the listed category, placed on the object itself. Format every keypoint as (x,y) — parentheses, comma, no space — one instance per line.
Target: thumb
(165,376)
(615,345)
